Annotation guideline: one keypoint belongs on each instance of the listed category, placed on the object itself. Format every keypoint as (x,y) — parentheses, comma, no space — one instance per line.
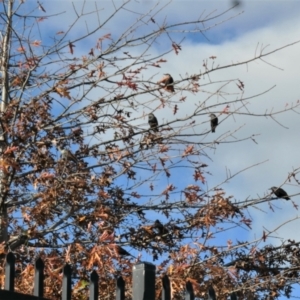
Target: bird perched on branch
(122,252)
(167,81)
(153,122)
(160,227)
(213,122)
(280,193)
(66,154)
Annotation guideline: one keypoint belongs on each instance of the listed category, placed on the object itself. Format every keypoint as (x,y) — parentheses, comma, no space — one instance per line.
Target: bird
(122,252)
(167,81)
(153,122)
(158,225)
(161,229)
(280,193)
(66,154)
(213,122)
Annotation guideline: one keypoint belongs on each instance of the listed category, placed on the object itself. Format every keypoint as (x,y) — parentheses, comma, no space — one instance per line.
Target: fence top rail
(143,283)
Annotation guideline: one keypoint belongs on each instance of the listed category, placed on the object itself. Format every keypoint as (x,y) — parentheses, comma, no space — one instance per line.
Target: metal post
(143,279)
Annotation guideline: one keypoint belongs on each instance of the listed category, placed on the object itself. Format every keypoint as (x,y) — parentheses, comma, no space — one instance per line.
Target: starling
(122,252)
(280,193)
(153,122)
(167,81)
(213,122)
(160,227)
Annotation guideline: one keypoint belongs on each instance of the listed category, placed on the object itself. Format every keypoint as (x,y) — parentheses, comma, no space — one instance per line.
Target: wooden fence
(143,281)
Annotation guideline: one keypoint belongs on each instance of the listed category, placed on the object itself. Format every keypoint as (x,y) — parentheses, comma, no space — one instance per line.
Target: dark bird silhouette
(153,122)
(213,122)
(280,193)
(158,225)
(167,81)
(122,252)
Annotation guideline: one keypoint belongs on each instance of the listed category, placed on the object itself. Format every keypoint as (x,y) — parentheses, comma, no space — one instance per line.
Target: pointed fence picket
(143,281)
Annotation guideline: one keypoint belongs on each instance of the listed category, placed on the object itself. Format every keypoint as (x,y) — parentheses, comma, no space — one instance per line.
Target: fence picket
(66,288)
(94,287)
(211,294)
(10,272)
(189,291)
(39,278)
(120,292)
(166,288)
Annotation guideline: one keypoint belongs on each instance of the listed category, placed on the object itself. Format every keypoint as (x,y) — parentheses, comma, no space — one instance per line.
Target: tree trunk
(5,89)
